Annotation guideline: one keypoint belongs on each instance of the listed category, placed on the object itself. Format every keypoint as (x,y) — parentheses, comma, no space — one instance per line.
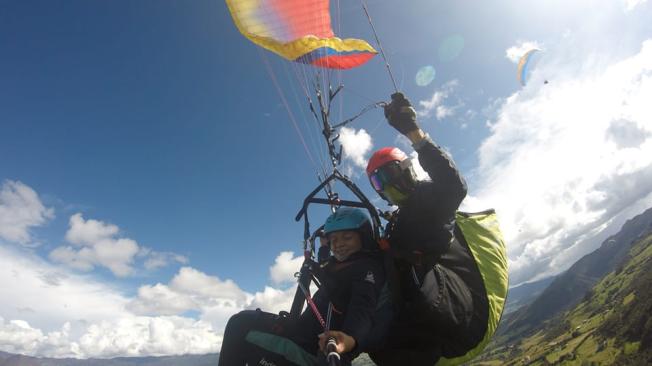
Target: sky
(152,159)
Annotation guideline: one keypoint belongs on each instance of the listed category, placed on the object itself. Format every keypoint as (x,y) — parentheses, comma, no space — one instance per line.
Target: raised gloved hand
(401,115)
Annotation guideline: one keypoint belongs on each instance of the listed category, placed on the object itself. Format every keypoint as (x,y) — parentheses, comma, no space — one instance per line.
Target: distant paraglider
(526,64)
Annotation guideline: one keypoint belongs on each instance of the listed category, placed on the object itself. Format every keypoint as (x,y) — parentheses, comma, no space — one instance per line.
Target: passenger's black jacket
(353,286)
(442,296)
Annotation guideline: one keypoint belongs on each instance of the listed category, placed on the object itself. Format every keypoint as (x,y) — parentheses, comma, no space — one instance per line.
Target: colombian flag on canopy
(298,30)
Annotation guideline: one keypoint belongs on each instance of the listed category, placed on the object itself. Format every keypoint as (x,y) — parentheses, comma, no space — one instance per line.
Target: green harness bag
(482,234)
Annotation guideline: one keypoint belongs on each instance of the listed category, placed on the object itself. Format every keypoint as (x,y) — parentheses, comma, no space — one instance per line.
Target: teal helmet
(356,219)
(346,218)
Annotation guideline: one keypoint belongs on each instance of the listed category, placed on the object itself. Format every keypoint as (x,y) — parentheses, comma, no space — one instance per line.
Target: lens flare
(425,75)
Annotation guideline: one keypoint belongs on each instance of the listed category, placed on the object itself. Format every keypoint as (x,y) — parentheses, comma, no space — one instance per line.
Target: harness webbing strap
(312,305)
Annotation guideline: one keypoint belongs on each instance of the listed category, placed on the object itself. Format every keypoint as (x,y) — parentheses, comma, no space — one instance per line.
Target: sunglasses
(397,174)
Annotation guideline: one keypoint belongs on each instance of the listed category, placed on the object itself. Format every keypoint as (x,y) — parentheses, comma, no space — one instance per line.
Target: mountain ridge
(9,359)
(570,287)
(610,325)
(524,294)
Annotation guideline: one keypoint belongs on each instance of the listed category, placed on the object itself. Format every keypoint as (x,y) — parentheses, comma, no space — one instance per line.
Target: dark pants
(254,337)
(437,321)
(405,346)
(402,357)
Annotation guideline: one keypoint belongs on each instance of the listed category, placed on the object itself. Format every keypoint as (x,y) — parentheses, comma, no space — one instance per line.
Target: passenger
(351,284)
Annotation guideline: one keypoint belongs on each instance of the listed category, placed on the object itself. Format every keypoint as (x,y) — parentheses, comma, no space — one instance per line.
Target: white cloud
(215,299)
(138,336)
(355,144)
(208,289)
(56,313)
(132,336)
(74,316)
(160,299)
(190,289)
(273,300)
(435,105)
(515,52)
(88,232)
(44,294)
(156,260)
(406,145)
(50,311)
(284,268)
(566,159)
(20,210)
(418,169)
(97,244)
(17,336)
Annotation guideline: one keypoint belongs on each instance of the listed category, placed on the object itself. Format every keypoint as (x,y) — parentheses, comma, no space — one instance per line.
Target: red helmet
(384,156)
(391,174)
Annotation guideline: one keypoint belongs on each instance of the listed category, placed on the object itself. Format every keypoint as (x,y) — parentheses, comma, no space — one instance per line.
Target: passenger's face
(344,243)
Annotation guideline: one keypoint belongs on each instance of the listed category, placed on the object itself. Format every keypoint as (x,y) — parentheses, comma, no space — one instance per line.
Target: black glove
(401,115)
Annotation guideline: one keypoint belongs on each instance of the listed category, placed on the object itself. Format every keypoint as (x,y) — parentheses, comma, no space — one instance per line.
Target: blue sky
(150,174)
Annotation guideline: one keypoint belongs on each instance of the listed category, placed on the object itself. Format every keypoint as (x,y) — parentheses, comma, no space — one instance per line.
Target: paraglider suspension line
(380,46)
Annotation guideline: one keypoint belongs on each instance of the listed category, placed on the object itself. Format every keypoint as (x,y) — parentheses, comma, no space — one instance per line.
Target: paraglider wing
(524,64)
(298,30)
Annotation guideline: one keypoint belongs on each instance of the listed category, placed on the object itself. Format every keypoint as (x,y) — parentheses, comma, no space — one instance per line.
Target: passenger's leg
(234,346)
(260,338)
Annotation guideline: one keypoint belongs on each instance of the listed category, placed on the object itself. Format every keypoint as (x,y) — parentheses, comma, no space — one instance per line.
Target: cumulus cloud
(132,336)
(57,313)
(273,299)
(158,336)
(160,299)
(405,144)
(418,169)
(436,106)
(20,210)
(155,260)
(214,299)
(76,316)
(355,145)
(97,244)
(514,53)
(52,293)
(567,159)
(284,268)
(190,289)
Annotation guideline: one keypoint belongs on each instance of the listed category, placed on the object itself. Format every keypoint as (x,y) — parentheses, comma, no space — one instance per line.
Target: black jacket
(425,223)
(353,287)
(442,296)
